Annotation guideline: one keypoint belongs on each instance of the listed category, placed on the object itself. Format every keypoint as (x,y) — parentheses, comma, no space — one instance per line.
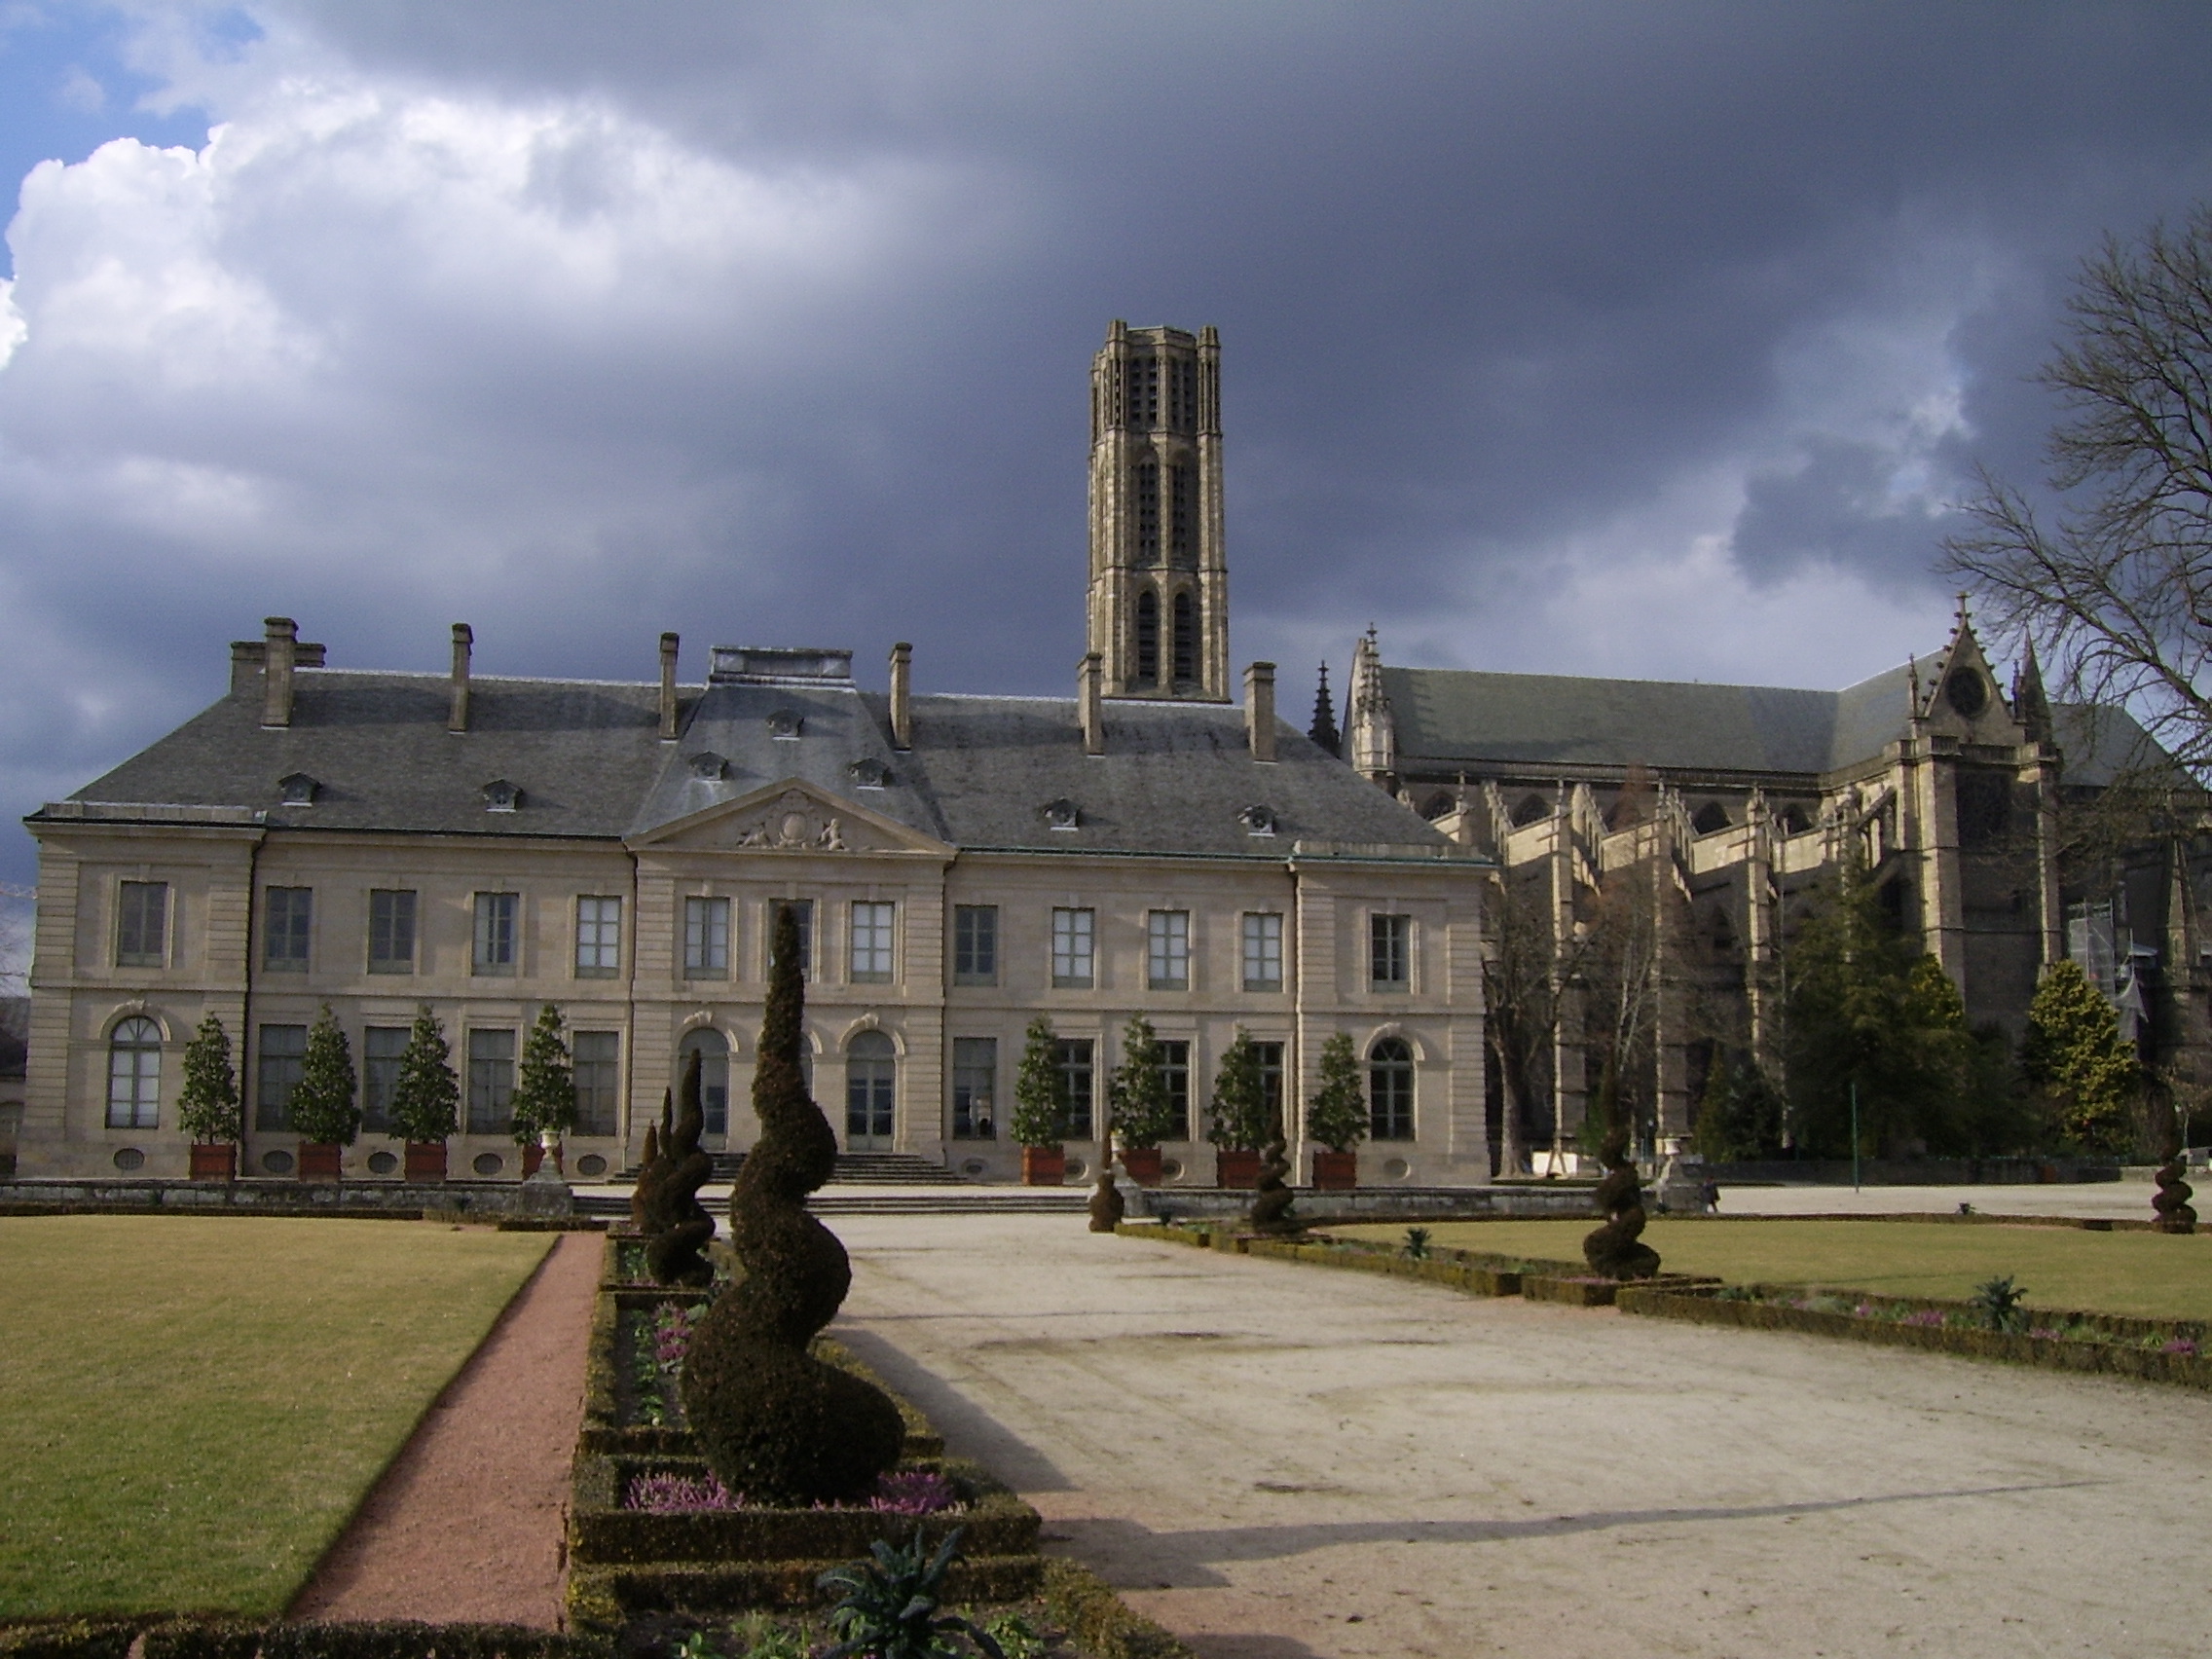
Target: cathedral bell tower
(1159,605)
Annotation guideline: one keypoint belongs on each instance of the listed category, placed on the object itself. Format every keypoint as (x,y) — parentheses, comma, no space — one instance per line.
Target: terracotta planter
(1143,1164)
(1335,1171)
(214,1161)
(1236,1169)
(1043,1167)
(319,1161)
(426,1160)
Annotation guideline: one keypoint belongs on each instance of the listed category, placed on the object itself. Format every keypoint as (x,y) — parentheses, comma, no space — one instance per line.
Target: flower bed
(1474,1271)
(166,1636)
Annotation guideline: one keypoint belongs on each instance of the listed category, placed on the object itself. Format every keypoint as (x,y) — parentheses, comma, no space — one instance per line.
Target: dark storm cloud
(1493,283)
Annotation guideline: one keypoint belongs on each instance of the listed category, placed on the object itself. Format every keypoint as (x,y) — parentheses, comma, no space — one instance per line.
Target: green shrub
(891,1605)
(426,1096)
(1143,1111)
(1039,1104)
(545,1090)
(677,1224)
(1239,1119)
(205,1638)
(1999,1304)
(2076,1057)
(69,1639)
(322,1106)
(208,1105)
(1337,1115)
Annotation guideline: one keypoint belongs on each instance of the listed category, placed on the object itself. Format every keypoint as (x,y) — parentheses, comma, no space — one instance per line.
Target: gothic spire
(2030,706)
(1323,732)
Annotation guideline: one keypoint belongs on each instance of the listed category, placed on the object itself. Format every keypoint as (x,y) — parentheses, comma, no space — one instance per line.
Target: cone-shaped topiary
(426,1097)
(322,1106)
(677,1224)
(641,1195)
(546,1093)
(775,1422)
(207,1107)
(1614,1249)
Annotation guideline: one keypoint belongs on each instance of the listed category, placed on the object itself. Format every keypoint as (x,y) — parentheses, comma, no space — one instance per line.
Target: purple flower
(2182,1347)
(2044,1332)
(913,1492)
(679,1495)
(1926,1318)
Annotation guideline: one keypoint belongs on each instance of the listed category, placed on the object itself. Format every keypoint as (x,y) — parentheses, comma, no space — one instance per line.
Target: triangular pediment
(790,816)
(1962,698)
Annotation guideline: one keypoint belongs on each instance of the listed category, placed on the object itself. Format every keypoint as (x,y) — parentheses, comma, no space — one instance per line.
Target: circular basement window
(488,1163)
(1396,1168)
(1170,1169)
(129,1158)
(1964,692)
(276,1163)
(1074,1169)
(591,1164)
(381,1163)
(974,1167)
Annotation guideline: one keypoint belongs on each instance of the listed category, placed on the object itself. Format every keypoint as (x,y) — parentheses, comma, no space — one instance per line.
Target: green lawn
(2147,1274)
(195,1406)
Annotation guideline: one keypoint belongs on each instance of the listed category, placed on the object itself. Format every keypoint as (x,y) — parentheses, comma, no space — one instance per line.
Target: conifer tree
(323,1107)
(426,1096)
(208,1105)
(2076,1057)
(1143,1111)
(1337,1115)
(1040,1102)
(546,1091)
(1238,1119)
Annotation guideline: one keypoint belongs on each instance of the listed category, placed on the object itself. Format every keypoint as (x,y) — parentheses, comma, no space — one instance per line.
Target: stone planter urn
(1335,1171)
(1142,1162)
(214,1161)
(426,1160)
(1236,1169)
(1044,1166)
(533,1156)
(319,1161)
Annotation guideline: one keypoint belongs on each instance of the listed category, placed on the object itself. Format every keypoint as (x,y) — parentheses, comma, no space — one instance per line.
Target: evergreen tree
(426,1097)
(546,1091)
(1136,1094)
(1740,1115)
(1040,1102)
(208,1105)
(1238,1119)
(2076,1059)
(1337,1115)
(322,1106)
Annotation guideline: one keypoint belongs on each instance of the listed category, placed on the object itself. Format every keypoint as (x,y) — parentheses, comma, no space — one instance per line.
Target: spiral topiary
(2171,1201)
(678,1226)
(1272,1199)
(1613,1249)
(775,1422)
(649,1167)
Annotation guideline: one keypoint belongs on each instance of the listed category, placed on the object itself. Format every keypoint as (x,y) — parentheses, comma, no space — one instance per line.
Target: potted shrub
(546,1092)
(1142,1113)
(1040,1109)
(425,1098)
(1336,1116)
(207,1106)
(323,1108)
(1238,1121)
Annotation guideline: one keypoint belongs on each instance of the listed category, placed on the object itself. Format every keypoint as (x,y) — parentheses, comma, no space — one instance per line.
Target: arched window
(1147,485)
(1794,821)
(1709,817)
(1437,805)
(1181,548)
(1148,637)
(134,1075)
(1532,808)
(1186,639)
(713,1049)
(871,1071)
(1390,1089)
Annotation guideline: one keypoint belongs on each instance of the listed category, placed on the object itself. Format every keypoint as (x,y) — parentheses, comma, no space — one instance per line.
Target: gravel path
(467,1522)
(1280,1461)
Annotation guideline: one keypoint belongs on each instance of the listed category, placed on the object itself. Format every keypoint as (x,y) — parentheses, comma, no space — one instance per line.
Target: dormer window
(1963,690)
(499,795)
(297,788)
(708,765)
(1063,814)
(1258,820)
(783,726)
(869,773)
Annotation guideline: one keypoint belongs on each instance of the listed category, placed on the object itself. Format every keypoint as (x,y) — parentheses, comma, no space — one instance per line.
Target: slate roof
(586,756)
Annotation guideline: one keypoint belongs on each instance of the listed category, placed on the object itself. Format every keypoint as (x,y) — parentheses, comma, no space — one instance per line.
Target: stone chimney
(463,640)
(668,649)
(1260,710)
(1091,690)
(903,695)
(282,645)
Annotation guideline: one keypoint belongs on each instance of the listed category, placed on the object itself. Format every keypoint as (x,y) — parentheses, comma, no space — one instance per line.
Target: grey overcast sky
(1643,338)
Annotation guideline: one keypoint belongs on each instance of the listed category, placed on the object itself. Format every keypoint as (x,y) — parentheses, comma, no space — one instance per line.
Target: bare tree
(1525,983)
(15,924)
(2117,589)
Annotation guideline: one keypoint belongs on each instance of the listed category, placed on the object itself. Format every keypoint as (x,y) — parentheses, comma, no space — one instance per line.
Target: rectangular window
(286,921)
(277,1072)
(1072,1060)
(496,914)
(1271,1081)
(1389,951)
(598,1059)
(871,942)
(598,937)
(1168,956)
(706,939)
(391,932)
(380,1049)
(134,1075)
(490,1081)
(1073,933)
(1262,950)
(141,931)
(974,945)
(803,910)
(974,1079)
(1175,1067)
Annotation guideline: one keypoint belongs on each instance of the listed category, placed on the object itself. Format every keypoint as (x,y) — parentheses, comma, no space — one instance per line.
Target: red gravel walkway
(467,1522)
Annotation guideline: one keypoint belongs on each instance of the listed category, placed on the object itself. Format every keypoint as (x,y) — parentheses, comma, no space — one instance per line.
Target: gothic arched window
(1390,1089)
(1147,487)
(1532,808)
(1148,637)
(134,1075)
(872,1070)
(1186,639)
(1709,817)
(1180,545)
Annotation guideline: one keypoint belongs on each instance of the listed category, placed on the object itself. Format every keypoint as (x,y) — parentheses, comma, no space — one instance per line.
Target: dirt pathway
(467,1524)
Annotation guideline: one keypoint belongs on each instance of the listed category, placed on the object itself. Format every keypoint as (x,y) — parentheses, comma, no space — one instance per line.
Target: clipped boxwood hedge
(70,1638)
(603,1599)
(1098,1621)
(168,1636)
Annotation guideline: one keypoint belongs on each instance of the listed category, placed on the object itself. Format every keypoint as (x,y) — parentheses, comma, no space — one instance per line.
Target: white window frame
(1262,950)
(871,955)
(705,937)
(1167,950)
(599,936)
